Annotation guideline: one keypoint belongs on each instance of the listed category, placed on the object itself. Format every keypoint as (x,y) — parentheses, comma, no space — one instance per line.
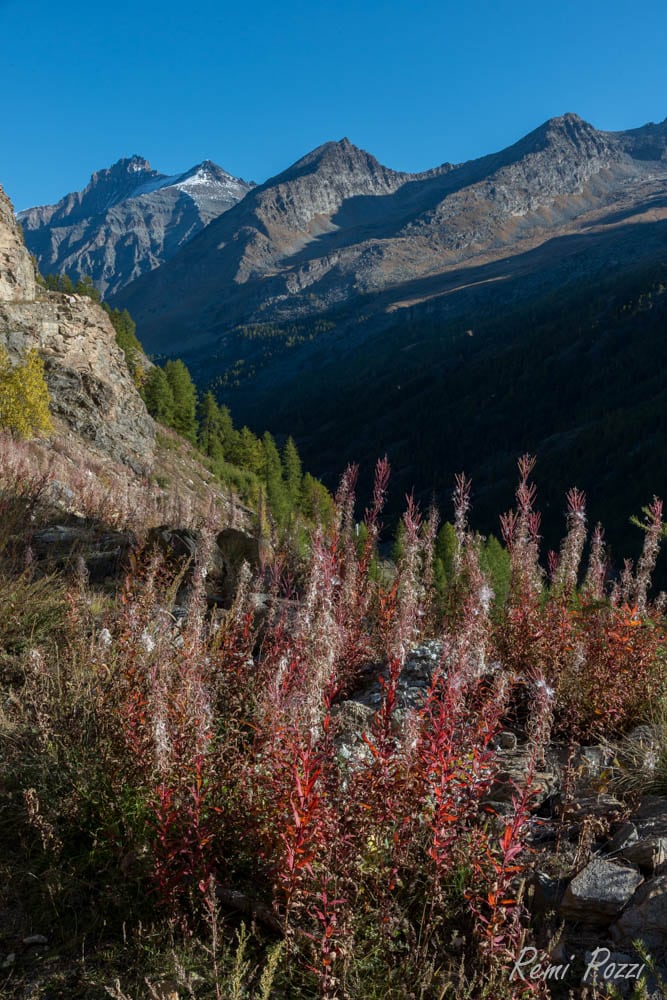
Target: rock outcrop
(17,274)
(90,386)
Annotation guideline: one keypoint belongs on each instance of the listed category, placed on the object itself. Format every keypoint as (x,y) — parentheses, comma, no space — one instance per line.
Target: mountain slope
(337,228)
(454,320)
(128,220)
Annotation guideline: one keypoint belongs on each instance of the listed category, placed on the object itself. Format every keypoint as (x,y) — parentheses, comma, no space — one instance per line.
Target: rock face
(599,893)
(645,919)
(104,553)
(90,385)
(643,840)
(337,227)
(17,274)
(128,220)
(225,559)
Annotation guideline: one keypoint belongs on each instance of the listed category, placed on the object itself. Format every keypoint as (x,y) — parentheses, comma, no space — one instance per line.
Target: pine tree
(316,502)
(246,451)
(126,338)
(226,430)
(184,419)
(209,437)
(158,396)
(85,286)
(292,473)
(24,395)
(272,474)
(444,556)
(496,564)
(59,283)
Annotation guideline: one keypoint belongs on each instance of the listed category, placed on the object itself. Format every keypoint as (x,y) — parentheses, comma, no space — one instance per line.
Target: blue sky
(255,86)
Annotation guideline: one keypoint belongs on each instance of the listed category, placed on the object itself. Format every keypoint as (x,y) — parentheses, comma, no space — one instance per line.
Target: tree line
(238,457)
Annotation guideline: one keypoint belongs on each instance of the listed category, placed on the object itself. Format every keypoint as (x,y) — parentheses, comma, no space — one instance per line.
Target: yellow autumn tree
(24,395)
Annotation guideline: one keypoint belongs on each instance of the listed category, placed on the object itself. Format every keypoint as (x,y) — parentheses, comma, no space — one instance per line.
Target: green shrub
(24,395)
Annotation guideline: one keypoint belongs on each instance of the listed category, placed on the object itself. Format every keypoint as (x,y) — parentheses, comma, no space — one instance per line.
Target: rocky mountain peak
(127,220)
(648,143)
(105,189)
(110,186)
(126,165)
(135,164)
(318,183)
(336,155)
(567,134)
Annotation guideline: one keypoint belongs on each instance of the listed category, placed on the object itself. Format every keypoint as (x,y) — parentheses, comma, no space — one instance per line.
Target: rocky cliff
(90,386)
(17,274)
(127,220)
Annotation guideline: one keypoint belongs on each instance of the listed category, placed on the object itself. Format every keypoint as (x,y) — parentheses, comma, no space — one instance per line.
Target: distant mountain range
(453,318)
(128,220)
(337,228)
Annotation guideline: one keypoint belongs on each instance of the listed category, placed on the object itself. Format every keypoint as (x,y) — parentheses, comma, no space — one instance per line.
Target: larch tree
(185,399)
(158,396)
(24,396)
(292,472)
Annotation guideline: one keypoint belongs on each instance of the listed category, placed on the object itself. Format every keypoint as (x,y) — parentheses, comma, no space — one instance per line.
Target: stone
(512,773)
(35,939)
(648,854)
(545,893)
(645,919)
(352,719)
(104,553)
(177,544)
(599,893)
(642,841)
(413,682)
(17,274)
(233,549)
(505,741)
(624,837)
(649,851)
(602,806)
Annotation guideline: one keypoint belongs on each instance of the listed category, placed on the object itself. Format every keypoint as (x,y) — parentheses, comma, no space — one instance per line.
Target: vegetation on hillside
(190,798)
(251,466)
(574,373)
(254,467)
(24,395)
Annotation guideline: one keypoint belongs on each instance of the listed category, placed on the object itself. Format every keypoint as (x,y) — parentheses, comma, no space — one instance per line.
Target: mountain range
(337,228)
(453,318)
(128,220)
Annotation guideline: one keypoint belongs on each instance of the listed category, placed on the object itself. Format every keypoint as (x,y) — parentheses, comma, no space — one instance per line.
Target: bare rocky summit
(127,220)
(91,389)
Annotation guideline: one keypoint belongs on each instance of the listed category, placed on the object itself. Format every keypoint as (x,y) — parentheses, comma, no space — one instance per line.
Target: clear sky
(255,86)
